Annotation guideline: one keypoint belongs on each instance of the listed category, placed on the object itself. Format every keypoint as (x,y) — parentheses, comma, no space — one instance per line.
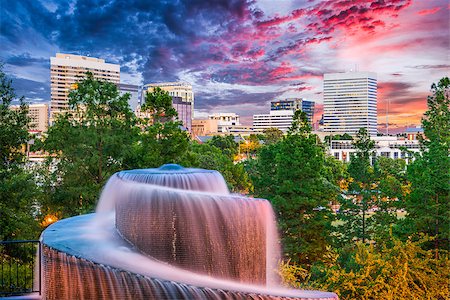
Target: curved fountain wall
(167,233)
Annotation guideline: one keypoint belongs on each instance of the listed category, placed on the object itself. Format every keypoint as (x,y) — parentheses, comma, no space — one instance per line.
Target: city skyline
(238,56)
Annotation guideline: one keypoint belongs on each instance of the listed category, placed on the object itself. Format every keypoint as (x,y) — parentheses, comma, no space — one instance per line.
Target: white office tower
(282,113)
(350,102)
(67,69)
(281,119)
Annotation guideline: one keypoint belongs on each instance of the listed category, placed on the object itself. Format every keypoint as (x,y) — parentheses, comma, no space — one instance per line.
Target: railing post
(40,266)
(19,253)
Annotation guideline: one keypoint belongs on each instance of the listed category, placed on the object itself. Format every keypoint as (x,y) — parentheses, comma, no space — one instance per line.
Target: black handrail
(18,259)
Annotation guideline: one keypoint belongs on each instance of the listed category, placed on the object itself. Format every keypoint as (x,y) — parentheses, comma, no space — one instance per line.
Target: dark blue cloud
(208,100)
(160,33)
(33,91)
(25,59)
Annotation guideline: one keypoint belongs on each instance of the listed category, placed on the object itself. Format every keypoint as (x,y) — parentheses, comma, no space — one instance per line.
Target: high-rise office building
(184,111)
(350,102)
(282,113)
(67,69)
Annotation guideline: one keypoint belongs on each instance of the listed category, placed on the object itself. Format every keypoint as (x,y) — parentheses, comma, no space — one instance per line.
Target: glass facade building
(350,102)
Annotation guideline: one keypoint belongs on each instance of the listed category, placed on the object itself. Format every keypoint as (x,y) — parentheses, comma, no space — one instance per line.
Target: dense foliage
(87,144)
(291,174)
(392,270)
(428,205)
(17,185)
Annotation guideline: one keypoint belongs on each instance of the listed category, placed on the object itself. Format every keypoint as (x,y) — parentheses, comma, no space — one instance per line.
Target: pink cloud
(296,14)
(430,11)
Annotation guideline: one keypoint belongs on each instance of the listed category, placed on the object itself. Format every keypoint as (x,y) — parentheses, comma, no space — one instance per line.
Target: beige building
(204,127)
(67,69)
(38,114)
(225,121)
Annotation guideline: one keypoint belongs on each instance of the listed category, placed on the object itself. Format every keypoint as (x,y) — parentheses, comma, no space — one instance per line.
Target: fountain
(167,233)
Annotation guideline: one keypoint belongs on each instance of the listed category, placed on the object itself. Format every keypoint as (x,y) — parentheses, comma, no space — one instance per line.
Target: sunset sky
(238,55)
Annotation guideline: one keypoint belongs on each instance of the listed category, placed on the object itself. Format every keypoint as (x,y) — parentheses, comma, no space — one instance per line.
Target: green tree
(226,144)
(391,185)
(158,104)
(428,206)
(14,125)
(17,185)
(290,174)
(88,143)
(361,195)
(263,172)
(161,138)
(208,156)
(392,178)
(300,123)
(346,136)
(272,135)
(160,143)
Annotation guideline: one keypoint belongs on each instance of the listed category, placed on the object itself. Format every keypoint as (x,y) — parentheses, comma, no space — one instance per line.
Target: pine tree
(361,196)
(428,206)
(290,174)
(17,185)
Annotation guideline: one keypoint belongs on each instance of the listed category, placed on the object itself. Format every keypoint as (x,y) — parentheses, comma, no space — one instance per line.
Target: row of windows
(66,68)
(272,123)
(348,109)
(349,116)
(350,87)
(342,99)
(349,120)
(348,81)
(396,155)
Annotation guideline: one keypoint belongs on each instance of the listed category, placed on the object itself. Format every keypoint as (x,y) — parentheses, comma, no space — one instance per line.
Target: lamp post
(247,143)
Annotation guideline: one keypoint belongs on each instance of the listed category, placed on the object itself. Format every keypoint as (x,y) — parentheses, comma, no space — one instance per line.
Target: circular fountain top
(167,169)
(171,167)
(168,175)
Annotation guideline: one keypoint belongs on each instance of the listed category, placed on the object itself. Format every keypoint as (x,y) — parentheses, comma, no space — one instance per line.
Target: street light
(247,143)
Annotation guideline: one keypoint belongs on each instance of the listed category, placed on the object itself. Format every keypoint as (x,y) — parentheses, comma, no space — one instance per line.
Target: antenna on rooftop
(387,116)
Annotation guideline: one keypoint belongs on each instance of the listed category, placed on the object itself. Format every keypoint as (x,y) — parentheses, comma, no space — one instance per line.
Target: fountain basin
(84,257)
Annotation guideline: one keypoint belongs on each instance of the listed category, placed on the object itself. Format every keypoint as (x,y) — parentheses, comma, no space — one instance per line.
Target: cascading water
(167,233)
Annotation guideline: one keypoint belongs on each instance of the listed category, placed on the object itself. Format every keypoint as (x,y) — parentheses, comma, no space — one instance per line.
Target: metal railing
(20,271)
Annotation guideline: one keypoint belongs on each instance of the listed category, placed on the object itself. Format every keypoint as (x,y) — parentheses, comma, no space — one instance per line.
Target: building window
(385,154)
(336,155)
